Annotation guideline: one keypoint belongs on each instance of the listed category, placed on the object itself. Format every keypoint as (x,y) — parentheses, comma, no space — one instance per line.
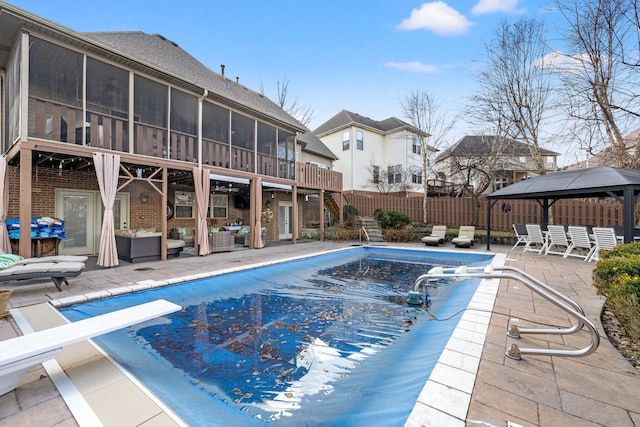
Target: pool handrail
(366,235)
(537,286)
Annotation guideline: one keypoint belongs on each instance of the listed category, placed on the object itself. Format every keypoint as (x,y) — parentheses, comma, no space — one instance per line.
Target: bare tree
(515,87)
(424,112)
(392,179)
(291,104)
(478,171)
(599,77)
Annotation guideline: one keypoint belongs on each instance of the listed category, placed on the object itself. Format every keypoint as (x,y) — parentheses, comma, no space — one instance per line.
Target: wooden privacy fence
(455,212)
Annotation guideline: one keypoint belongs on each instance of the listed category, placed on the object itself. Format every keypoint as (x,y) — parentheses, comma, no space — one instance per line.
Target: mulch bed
(618,336)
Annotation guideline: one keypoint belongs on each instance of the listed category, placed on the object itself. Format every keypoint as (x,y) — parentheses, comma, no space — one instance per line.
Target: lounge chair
(557,240)
(437,237)
(521,235)
(605,239)
(20,355)
(465,237)
(535,238)
(581,245)
(58,268)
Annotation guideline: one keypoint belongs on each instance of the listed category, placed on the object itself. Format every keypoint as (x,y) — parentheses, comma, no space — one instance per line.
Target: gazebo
(603,181)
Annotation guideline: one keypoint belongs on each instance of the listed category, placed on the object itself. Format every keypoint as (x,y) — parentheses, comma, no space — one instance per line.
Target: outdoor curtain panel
(202,182)
(257,224)
(5,244)
(107,170)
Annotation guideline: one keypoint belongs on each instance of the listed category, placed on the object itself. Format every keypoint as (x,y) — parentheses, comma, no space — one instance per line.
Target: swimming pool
(324,340)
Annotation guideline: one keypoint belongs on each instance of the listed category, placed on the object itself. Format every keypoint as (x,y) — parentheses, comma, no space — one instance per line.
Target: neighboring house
(374,155)
(473,152)
(606,157)
(68,95)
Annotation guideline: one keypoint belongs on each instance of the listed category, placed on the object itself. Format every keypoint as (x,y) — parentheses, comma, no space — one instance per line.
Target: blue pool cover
(328,340)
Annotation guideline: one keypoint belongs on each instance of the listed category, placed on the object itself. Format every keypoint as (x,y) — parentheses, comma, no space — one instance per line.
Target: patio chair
(58,268)
(437,237)
(605,238)
(20,355)
(537,242)
(581,245)
(465,237)
(557,242)
(521,235)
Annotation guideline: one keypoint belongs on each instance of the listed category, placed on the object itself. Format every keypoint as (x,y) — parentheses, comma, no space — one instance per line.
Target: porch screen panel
(14,99)
(150,102)
(267,150)
(242,142)
(215,135)
(55,91)
(184,126)
(286,155)
(107,106)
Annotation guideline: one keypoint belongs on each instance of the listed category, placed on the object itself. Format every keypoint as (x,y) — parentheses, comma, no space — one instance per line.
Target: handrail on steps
(537,286)
(366,235)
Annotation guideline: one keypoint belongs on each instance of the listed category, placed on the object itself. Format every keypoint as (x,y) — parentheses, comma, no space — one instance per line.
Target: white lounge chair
(437,237)
(521,235)
(557,242)
(535,238)
(581,245)
(605,238)
(20,355)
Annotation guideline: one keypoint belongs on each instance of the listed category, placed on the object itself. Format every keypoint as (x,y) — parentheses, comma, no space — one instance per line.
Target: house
(606,156)
(507,160)
(71,98)
(375,156)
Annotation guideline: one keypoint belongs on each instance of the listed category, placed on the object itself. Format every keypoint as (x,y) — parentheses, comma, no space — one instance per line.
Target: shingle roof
(168,57)
(347,118)
(312,144)
(479,145)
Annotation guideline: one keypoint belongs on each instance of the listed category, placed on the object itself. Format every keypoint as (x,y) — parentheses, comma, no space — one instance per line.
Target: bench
(20,355)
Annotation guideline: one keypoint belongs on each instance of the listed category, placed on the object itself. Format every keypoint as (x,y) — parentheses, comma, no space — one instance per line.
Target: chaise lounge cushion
(465,237)
(438,236)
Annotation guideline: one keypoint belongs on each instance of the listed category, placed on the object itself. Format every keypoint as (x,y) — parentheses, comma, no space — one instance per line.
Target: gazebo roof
(603,181)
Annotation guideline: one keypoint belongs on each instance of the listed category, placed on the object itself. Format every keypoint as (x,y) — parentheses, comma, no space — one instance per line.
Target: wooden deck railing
(310,176)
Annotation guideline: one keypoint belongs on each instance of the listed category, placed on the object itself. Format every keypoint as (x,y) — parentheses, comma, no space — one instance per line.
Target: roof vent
(222,68)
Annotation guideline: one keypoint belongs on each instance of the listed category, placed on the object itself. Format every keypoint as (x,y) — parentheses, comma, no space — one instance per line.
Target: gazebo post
(627,214)
(545,213)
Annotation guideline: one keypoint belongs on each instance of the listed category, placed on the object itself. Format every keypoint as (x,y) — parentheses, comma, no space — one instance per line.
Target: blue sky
(357,55)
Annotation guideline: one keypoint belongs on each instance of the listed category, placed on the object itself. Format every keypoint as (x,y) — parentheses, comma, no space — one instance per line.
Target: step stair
(332,206)
(373,228)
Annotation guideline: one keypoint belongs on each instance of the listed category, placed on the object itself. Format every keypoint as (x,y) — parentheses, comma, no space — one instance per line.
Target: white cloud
(437,17)
(491,6)
(564,64)
(413,66)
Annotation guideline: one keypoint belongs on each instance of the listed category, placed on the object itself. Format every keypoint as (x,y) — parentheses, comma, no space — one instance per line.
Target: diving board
(20,355)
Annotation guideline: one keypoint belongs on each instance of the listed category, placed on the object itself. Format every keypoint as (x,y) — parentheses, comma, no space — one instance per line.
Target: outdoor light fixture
(273,195)
(139,173)
(268,203)
(306,197)
(143,198)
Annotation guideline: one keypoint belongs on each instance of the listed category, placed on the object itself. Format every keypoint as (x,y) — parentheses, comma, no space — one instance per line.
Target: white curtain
(257,221)
(5,243)
(202,183)
(107,170)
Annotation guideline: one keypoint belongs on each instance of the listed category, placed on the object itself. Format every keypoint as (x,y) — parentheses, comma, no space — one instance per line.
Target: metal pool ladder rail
(366,235)
(537,286)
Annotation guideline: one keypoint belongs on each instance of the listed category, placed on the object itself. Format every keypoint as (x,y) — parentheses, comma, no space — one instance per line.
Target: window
(551,163)
(218,206)
(416,178)
(376,174)
(346,140)
(395,174)
(416,148)
(359,140)
(184,203)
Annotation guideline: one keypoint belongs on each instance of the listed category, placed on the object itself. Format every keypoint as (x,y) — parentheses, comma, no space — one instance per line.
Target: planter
(4,300)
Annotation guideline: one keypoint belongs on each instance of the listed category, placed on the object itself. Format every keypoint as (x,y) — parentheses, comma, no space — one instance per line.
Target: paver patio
(601,389)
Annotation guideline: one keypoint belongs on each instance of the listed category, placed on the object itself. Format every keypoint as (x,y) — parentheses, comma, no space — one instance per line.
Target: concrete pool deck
(600,389)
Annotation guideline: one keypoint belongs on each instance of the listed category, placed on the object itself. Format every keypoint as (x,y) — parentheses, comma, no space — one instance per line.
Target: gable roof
(481,145)
(346,119)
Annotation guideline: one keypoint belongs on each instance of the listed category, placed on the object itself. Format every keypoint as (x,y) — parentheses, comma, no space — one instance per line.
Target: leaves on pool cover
(255,346)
